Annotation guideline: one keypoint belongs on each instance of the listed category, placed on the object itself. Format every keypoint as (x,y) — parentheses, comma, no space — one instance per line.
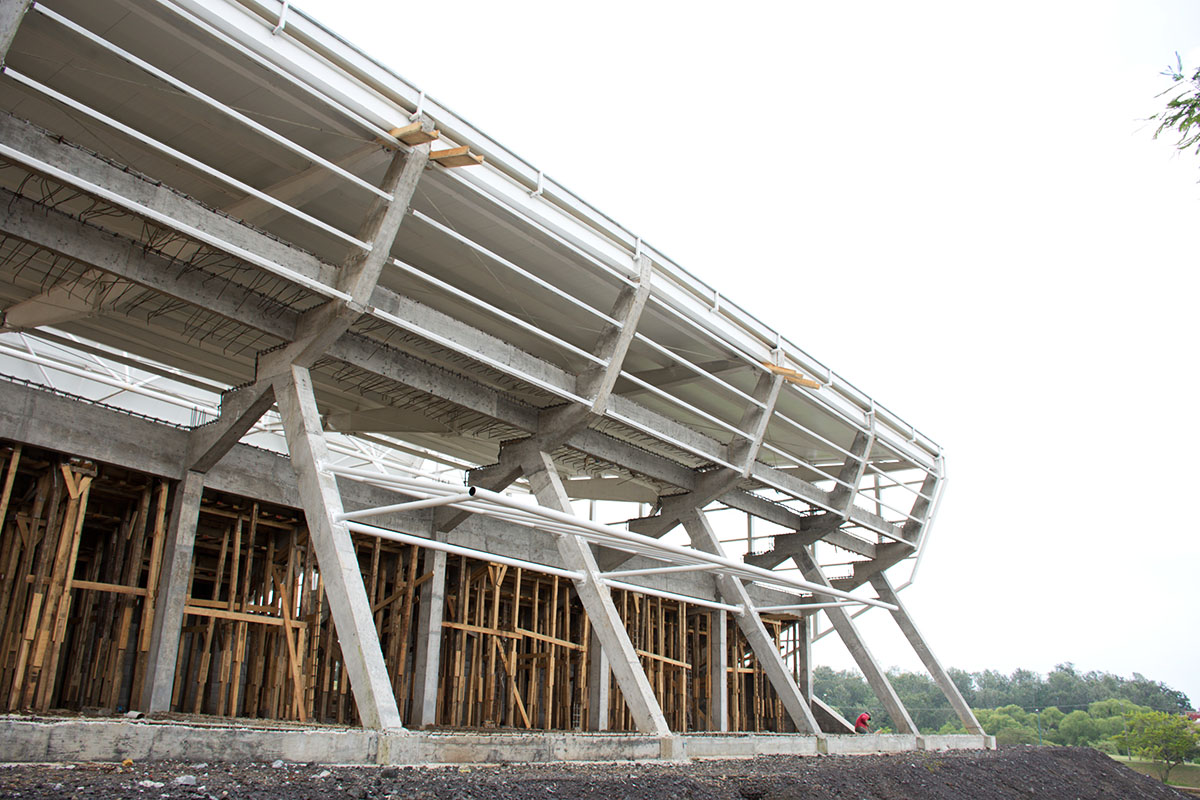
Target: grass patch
(1183,775)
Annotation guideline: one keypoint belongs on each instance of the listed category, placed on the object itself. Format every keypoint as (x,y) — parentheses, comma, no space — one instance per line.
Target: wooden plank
(515,693)
(156,549)
(206,648)
(552,622)
(412,134)
(13,462)
(241,628)
(34,695)
(791,375)
(293,660)
(115,588)
(456,157)
(410,586)
(220,613)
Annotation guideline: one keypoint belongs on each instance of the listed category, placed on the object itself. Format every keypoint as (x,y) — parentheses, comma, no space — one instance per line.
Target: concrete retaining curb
(52,740)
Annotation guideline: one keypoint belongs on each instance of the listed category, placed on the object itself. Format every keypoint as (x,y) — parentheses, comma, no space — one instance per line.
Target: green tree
(1154,694)
(1182,114)
(1156,735)
(1078,729)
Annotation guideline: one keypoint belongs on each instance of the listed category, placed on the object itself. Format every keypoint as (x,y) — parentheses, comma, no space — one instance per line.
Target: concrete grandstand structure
(309,386)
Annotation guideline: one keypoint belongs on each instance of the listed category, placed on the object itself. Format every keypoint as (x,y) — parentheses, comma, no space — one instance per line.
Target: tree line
(1068,706)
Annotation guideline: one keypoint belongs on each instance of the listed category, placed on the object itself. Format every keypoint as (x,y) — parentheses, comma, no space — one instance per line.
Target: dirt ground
(1021,772)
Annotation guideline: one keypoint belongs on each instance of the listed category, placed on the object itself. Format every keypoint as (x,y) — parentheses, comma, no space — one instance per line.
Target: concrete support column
(804,657)
(718,670)
(322,503)
(173,587)
(769,658)
(427,656)
(11,14)
(850,636)
(597,602)
(599,683)
(884,587)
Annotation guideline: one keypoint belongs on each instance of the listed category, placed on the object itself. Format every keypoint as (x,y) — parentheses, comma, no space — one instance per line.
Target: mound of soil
(1023,772)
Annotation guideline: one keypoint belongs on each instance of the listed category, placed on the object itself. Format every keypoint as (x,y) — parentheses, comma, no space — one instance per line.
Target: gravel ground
(1023,772)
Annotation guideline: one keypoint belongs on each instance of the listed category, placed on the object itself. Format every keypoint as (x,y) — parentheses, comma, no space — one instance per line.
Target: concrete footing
(53,740)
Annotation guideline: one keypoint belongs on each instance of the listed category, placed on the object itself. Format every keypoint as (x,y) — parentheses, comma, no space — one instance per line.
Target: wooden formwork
(81,549)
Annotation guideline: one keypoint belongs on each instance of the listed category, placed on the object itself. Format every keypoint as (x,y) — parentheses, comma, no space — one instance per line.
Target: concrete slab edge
(72,740)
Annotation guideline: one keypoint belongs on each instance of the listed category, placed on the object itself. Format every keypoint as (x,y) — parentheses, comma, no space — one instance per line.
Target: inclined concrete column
(887,594)
(597,602)
(718,670)
(173,588)
(850,636)
(733,592)
(427,657)
(11,13)
(322,502)
(599,683)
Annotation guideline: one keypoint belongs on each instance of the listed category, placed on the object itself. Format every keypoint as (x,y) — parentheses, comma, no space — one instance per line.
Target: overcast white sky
(959,207)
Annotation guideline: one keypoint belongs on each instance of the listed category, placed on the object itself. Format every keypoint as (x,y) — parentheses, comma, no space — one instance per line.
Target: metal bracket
(283,12)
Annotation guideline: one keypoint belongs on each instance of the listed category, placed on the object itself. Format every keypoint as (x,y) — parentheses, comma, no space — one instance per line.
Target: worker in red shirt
(863,723)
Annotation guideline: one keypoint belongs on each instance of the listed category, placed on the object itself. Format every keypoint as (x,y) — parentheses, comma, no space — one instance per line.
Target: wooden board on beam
(413,135)
(791,376)
(456,157)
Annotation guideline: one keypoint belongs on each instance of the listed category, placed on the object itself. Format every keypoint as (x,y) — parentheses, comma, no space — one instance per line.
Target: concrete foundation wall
(858,744)
(58,740)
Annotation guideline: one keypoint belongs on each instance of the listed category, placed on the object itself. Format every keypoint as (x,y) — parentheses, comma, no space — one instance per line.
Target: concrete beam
(754,422)
(597,602)
(359,275)
(884,587)
(853,640)
(733,592)
(65,302)
(173,589)
(344,588)
(852,472)
(11,14)
(831,721)
(597,382)
(240,411)
(803,490)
